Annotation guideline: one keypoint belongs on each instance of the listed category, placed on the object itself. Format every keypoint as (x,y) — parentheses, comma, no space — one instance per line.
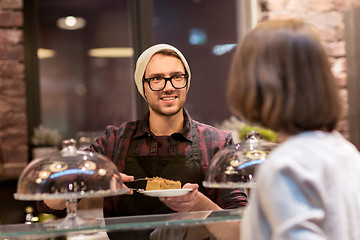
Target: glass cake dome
(69,174)
(234,166)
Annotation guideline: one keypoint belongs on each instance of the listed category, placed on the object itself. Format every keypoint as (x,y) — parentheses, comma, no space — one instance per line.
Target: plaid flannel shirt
(115,142)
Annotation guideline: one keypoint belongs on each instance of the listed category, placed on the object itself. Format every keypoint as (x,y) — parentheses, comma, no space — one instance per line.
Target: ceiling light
(71,23)
(197,36)
(45,53)
(111,52)
(219,50)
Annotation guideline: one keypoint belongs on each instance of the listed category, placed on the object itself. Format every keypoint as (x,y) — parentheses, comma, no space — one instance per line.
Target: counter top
(133,223)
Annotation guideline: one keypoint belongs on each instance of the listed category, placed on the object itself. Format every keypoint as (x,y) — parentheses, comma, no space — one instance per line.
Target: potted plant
(266,134)
(239,129)
(45,141)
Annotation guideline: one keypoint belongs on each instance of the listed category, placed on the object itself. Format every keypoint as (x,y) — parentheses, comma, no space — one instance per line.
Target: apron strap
(196,152)
(132,148)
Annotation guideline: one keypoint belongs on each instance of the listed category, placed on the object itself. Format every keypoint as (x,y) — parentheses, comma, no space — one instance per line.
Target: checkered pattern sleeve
(211,140)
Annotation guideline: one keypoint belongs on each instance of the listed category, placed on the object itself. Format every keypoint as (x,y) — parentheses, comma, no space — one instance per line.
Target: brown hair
(168,52)
(281,79)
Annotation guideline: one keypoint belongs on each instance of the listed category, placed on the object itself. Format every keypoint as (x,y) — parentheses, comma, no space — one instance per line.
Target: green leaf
(265,134)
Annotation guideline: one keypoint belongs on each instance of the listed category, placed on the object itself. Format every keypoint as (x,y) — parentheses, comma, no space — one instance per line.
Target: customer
(309,186)
(165,143)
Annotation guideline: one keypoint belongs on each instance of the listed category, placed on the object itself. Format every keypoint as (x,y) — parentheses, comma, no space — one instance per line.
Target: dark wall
(12,211)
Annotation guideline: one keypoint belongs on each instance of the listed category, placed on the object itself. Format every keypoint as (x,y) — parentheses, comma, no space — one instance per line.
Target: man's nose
(168,85)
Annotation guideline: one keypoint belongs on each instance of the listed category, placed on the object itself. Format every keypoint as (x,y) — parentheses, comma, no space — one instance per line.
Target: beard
(171,109)
(166,113)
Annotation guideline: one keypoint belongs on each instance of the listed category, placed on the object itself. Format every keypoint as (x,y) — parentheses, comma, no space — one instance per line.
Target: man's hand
(192,201)
(126,178)
(196,201)
(56,204)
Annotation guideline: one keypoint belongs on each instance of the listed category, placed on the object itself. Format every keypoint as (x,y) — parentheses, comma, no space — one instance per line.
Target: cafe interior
(66,69)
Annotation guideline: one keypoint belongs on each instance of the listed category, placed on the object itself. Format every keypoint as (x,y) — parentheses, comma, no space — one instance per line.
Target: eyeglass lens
(177,81)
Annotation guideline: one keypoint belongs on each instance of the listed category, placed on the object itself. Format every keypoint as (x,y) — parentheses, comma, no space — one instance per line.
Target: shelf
(133,223)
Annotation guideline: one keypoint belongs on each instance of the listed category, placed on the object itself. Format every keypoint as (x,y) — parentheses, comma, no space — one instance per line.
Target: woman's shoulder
(312,152)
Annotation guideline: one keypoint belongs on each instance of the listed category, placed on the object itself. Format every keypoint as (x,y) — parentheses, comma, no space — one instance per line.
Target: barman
(167,143)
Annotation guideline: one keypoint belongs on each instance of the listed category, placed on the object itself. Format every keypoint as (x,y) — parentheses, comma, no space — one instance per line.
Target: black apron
(187,169)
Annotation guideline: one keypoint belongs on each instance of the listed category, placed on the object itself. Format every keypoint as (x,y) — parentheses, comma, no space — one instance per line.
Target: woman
(309,187)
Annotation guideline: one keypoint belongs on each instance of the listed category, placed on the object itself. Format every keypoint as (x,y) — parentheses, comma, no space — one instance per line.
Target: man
(165,143)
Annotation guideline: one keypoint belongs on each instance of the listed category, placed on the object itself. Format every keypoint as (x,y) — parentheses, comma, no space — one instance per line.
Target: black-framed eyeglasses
(178,81)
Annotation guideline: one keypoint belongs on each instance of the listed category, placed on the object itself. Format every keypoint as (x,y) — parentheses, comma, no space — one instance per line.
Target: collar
(185,132)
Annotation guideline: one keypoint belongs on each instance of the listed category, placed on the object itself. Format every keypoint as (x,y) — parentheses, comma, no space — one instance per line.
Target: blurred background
(66,67)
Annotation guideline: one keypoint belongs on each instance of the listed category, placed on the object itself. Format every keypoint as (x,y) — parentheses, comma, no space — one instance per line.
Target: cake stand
(234,166)
(72,175)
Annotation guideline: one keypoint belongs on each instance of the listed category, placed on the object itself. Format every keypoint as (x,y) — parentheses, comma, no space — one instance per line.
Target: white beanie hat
(144,59)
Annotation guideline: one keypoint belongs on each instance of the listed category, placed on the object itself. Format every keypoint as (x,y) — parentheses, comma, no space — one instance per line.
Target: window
(80,89)
(83,92)
(205,31)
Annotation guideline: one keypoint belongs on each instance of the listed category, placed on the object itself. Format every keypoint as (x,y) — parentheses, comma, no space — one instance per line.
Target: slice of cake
(158,183)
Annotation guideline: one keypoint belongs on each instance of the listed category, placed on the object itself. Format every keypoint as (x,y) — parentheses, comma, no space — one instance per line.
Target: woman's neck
(161,125)
(282,137)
